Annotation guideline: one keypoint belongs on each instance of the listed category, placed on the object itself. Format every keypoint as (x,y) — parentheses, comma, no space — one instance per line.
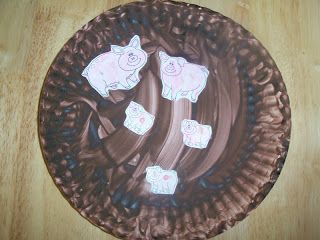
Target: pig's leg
(134,78)
(148,124)
(125,83)
(166,188)
(195,93)
(187,140)
(195,140)
(203,142)
(200,141)
(166,91)
(99,85)
(174,93)
(156,187)
(138,129)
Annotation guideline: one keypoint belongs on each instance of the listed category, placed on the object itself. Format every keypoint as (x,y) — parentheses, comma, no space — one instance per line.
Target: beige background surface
(31,34)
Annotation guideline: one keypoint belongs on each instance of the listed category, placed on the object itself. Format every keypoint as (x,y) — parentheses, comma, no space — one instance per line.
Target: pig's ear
(181,61)
(163,56)
(130,105)
(135,42)
(117,49)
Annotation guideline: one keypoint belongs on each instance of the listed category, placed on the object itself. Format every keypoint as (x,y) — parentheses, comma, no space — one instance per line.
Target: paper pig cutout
(138,120)
(195,135)
(181,79)
(117,69)
(162,181)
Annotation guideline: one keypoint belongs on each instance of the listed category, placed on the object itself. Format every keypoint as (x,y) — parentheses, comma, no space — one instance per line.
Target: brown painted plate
(99,165)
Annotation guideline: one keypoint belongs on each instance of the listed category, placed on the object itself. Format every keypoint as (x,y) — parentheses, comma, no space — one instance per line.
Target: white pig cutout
(181,79)
(195,135)
(117,69)
(162,181)
(138,120)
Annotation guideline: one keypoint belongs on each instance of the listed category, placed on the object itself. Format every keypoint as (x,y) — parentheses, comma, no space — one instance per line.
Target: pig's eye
(130,54)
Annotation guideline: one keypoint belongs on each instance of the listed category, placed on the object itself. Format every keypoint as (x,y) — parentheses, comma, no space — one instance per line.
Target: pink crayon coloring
(195,135)
(117,69)
(181,79)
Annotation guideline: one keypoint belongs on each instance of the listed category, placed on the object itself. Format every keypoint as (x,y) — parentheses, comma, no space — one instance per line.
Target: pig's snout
(133,59)
(170,68)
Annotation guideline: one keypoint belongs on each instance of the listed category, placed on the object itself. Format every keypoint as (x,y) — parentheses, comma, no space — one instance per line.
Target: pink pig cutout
(138,120)
(181,79)
(162,181)
(117,69)
(195,135)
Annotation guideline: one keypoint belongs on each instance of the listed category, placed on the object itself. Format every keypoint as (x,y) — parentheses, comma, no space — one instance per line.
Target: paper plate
(164,120)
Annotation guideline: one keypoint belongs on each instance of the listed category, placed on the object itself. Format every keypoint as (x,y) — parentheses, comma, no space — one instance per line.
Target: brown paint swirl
(99,165)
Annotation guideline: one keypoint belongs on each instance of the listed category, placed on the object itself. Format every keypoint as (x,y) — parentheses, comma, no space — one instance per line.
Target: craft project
(123,181)
(195,135)
(162,181)
(181,79)
(138,120)
(117,69)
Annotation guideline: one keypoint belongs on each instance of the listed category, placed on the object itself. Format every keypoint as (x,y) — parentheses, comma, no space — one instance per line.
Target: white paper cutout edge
(135,75)
(156,186)
(192,71)
(130,124)
(188,140)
